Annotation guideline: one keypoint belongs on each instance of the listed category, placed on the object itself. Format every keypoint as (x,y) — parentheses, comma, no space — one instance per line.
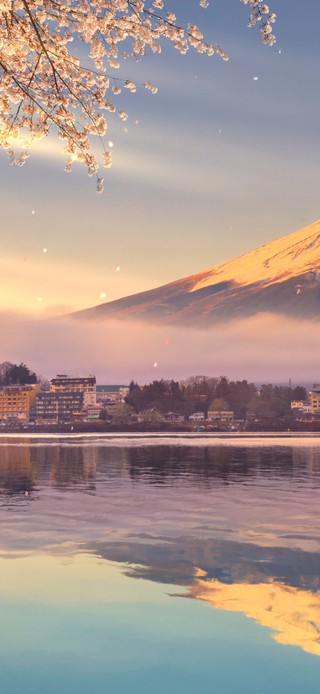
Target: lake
(159,564)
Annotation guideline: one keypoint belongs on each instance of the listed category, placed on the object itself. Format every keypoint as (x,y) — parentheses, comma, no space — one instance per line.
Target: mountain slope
(281,277)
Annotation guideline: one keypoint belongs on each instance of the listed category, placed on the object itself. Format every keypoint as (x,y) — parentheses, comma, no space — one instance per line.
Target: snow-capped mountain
(281,277)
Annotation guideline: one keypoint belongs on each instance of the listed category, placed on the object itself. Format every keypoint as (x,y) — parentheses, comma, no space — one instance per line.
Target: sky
(216,164)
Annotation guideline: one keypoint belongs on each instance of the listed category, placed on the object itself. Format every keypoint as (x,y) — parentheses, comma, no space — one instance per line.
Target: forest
(202,393)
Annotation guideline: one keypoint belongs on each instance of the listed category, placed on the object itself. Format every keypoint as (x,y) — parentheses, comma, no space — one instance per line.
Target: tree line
(201,394)
(196,394)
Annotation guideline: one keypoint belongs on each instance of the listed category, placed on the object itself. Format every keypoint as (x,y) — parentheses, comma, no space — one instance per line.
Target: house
(220,416)
(297,404)
(300,407)
(197,417)
(173,417)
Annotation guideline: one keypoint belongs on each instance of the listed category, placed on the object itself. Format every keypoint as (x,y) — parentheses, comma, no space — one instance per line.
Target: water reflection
(66,464)
(25,468)
(293,615)
(237,527)
(16,473)
(277,587)
(178,560)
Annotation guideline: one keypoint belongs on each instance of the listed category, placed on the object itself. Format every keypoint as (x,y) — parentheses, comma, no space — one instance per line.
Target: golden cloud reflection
(294,615)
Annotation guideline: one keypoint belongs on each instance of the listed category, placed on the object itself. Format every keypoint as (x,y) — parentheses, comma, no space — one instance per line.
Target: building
(315,399)
(59,407)
(220,416)
(108,395)
(197,417)
(174,417)
(17,403)
(300,407)
(74,384)
(47,408)
(69,399)
(297,404)
(92,412)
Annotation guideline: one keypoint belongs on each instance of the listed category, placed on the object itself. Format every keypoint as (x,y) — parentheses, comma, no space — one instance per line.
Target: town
(198,403)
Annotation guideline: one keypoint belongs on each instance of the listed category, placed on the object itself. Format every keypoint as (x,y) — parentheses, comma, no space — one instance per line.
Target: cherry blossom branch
(43,84)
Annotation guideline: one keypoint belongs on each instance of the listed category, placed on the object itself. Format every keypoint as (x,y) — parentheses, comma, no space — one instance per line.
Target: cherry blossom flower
(44,86)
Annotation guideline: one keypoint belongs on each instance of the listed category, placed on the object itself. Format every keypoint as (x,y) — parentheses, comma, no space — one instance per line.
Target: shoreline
(260,428)
(138,439)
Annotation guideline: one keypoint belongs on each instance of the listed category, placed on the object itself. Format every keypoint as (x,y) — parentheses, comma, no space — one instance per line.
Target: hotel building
(17,403)
(58,408)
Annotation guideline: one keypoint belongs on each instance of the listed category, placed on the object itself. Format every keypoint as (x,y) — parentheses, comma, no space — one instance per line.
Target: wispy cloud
(265,348)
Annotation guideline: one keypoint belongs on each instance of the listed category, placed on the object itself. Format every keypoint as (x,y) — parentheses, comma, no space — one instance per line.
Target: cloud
(58,310)
(265,348)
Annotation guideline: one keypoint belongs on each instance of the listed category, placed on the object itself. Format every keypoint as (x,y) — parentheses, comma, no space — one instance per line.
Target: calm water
(159,565)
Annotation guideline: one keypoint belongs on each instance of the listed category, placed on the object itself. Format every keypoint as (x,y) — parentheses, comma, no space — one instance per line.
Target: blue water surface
(105,554)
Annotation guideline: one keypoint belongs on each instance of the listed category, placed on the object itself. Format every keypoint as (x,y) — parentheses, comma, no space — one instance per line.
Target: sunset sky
(219,163)
(224,159)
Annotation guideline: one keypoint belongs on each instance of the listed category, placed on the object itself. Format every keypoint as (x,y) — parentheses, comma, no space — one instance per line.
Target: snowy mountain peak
(279,260)
(281,277)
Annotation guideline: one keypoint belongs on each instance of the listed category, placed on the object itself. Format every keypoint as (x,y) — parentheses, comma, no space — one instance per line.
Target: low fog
(265,348)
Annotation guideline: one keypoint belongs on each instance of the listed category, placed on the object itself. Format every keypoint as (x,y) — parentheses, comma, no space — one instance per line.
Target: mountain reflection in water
(237,527)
